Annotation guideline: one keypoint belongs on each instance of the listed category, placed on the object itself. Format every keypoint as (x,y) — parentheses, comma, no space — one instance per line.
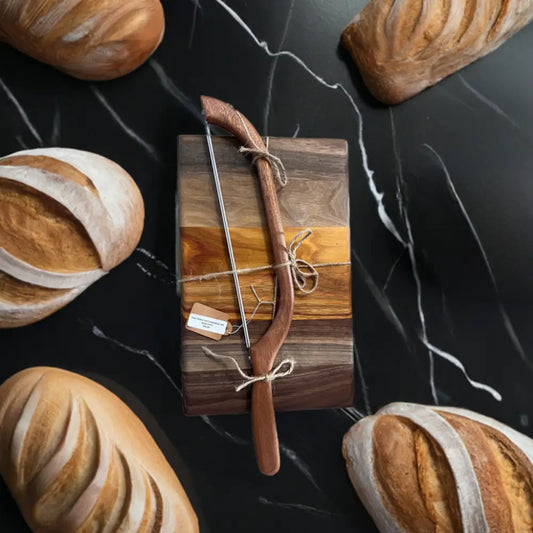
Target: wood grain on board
(320,338)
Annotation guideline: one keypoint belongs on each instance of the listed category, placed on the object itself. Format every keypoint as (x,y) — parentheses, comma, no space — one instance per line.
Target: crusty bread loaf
(95,40)
(403,46)
(77,459)
(421,469)
(66,218)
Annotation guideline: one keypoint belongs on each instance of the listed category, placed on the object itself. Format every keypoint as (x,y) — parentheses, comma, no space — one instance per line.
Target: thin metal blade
(228,237)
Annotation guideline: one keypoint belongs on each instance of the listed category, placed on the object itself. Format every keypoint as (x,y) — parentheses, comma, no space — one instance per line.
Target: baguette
(436,469)
(67,217)
(404,46)
(77,459)
(91,40)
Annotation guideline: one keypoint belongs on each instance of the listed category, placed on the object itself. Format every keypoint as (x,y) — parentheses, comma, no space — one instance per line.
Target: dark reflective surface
(472,242)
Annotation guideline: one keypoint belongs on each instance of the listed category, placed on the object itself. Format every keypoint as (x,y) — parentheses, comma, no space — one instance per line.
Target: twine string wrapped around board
(278,168)
(302,272)
(274,374)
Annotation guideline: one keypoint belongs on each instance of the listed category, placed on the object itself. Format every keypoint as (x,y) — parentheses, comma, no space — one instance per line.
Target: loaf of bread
(403,46)
(421,469)
(93,40)
(66,218)
(77,459)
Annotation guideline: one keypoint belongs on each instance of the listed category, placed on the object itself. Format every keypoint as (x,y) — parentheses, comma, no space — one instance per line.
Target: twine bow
(301,269)
(274,374)
(278,168)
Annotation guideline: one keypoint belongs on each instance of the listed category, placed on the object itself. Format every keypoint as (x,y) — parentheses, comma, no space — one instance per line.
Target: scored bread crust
(96,40)
(77,459)
(66,218)
(404,46)
(468,473)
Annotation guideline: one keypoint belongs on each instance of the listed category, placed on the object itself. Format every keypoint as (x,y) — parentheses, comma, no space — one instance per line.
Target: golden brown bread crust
(77,459)
(396,472)
(437,485)
(94,40)
(404,46)
(414,479)
(497,508)
(66,218)
(28,217)
(504,473)
(423,469)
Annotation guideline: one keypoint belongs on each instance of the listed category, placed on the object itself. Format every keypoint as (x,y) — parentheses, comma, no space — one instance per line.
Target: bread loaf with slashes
(67,217)
(403,46)
(421,469)
(77,460)
(89,39)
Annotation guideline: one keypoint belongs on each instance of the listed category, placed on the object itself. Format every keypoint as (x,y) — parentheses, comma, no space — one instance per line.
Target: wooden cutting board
(320,339)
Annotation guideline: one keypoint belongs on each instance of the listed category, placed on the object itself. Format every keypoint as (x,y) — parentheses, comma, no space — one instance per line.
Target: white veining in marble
(22,112)
(454,361)
(503,312)
(352,413)
(20,140)
(397,163)
(96,331)
(296,131)
(173,90)
(378,196)
(524,420)
(222,432)
(381,299)
(432,349)
(360,373)
(145,353)
(116,117)
(150,274)
(168,278)
(391,271)
(56,127)
(440,87)
(301,465)
(273,68)
(297,507)
(151,256)
(420,308)
(446,314)
(197,7)
(495,107)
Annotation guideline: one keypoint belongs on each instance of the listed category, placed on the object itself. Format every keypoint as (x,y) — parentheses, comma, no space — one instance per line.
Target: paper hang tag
(208,322)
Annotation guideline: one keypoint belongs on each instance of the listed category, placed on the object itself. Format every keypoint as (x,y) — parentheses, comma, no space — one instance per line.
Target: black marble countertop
(442,276)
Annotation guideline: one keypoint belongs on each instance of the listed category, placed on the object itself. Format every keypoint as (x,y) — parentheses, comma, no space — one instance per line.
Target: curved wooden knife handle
(226,116)
(265,350)
(264,428)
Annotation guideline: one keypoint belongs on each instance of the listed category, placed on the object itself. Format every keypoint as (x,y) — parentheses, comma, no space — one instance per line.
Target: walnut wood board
(320,339)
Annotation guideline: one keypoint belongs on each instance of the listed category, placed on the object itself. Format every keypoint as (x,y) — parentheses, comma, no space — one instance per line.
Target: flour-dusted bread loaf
(77,459)
(403,46)
(421,469)
(89,39)
(66,218)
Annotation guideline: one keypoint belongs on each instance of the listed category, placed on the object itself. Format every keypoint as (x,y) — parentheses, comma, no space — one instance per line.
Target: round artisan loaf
(421,469)
(93,40)
(66,218)
(78,460)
